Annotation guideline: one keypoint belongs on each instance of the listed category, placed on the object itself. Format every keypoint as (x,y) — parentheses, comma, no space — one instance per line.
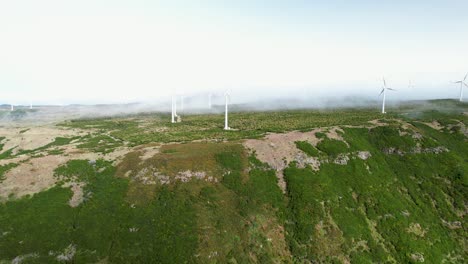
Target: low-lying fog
(198,104)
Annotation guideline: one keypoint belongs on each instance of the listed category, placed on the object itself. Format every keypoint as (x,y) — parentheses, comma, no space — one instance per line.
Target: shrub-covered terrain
(393,190)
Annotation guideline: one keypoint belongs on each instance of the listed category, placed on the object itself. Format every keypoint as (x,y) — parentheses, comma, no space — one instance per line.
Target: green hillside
(388,189)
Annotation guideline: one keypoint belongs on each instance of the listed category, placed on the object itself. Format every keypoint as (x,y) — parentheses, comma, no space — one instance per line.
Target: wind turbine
(30,106)
(12,108)
(462,82)
(226,125)
(410,84)
(384,88)
(173,110)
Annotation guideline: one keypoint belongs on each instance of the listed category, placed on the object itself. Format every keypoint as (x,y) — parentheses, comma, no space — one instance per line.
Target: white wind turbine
(226,125)
(410,85)
(384,88)
(173,110)
(12,108)
(462,82)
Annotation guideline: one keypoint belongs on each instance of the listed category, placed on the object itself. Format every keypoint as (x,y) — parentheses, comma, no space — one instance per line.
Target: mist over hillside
(49,114)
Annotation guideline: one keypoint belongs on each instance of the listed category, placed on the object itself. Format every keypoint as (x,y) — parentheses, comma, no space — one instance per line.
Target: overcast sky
(103,51)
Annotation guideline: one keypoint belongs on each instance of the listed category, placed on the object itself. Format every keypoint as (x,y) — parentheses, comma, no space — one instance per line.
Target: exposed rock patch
(452,225)
(68,254)
(416,150)
(364,155)
(416,229)
(150,176)
(342,159)
(417,257)
(303,160)
(78,193)
(22,258)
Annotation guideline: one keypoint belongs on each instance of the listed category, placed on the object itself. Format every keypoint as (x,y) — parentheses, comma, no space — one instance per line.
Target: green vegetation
(180,222)
(396,207)
(214,202)
(332,147)
(6,154)
(99,143)
(307,148)
(145,129)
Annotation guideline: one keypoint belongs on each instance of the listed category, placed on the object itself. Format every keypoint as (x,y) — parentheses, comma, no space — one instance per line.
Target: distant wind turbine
(462,82)
(410,85)
(384,88)
(12,108)
(226,125)
(173,114)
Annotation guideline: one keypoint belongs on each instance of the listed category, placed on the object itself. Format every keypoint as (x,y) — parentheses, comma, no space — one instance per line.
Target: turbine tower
(462,82)
(172,110)
(30,106)
(384,88)
(226,125)
(12,108)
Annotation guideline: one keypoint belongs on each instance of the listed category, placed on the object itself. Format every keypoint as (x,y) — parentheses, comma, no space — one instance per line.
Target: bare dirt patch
(335,133)
(37,174)
(31,177)
(149,152)
(435,125)
(78,193)
(34,137)
(278,150)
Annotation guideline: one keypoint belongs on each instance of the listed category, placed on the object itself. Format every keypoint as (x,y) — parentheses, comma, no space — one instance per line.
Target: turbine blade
(382,92)
(385,83)
(458,82)
(391,89)
(464,79)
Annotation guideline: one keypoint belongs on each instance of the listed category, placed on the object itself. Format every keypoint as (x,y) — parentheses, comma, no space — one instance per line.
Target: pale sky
(107,51)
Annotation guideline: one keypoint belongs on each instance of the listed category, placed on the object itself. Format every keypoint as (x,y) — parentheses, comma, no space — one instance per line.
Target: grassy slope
(340,205)
(382,209)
